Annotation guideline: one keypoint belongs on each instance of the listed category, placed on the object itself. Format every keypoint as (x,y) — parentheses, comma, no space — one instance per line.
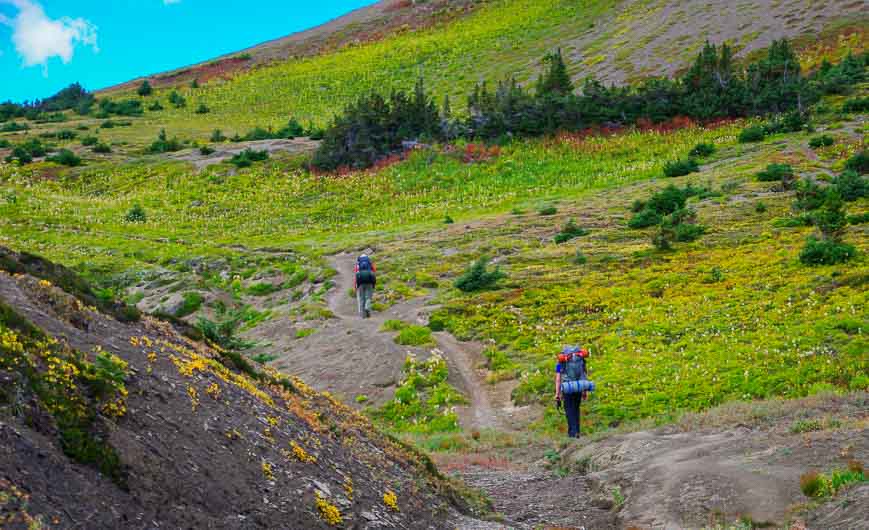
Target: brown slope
(219,460)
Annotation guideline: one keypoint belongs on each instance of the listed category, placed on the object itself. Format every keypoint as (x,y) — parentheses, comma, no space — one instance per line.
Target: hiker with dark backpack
(572,385)
(365,281)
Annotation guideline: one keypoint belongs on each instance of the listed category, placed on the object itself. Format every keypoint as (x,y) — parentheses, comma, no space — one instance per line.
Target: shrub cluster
(826,211)
(856,105)
(702,150)
(128,107)
(26,151)
(678,168)
(477,277)
(247,157)
(164,145)
(570,231)
(65,157)
(666,210)
(859,163)
(824,140)
(783,173)
(177,100)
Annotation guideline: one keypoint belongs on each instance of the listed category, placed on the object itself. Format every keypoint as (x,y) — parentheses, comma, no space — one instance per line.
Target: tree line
(714,87)
(72,97)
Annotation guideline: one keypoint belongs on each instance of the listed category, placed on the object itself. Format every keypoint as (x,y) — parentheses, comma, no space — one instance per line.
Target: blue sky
(47,44)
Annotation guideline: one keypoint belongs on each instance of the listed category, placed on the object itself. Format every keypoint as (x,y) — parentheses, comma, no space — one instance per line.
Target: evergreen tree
(145,89)
(555,80)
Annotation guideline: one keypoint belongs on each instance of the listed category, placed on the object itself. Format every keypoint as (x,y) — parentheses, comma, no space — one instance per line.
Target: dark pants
(571,410)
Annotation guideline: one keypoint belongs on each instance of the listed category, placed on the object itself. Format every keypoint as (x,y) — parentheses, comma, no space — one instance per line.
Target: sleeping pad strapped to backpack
(573,373)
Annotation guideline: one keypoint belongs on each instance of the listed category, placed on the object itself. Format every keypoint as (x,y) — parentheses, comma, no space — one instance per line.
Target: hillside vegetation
(704,235)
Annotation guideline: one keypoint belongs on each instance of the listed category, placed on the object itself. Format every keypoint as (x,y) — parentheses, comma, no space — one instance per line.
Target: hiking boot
(367,314)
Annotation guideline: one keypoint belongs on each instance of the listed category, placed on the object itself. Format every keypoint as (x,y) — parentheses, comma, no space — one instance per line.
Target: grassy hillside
(246,246)
(731,316)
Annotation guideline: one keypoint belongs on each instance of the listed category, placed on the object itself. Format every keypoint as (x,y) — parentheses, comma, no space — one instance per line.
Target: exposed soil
(223,152)
(751,470)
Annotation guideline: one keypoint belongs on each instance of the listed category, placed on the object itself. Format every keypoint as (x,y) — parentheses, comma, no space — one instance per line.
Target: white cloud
(170,2)
(38,38)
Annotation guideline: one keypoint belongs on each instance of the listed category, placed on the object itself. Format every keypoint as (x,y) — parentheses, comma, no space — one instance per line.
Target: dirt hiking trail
(460,356)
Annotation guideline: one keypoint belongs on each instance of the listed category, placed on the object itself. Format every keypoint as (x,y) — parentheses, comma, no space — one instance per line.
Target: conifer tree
(145,89)
(556,80)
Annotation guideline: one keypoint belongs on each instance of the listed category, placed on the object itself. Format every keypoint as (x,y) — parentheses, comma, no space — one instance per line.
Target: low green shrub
(817,485)
(752,133)
(413,335)
(860,104)
(678,168)
(645,218)
(423,401)
(217,136)
(687,232)
(393,325)
(570,231)
(801,426)
(702,150)
(102,148)
(164,145)
(859,162)
(305,332)
(202,109)
(136,214)
(247,157)
(88,141)
(850,186)
(821,141)
(826,252)
(548,210)
(810,196)
(477,277)
(858,219)
(263,289)
(437,323)
(191,302)
(776,173)
(177,100)
(65,157)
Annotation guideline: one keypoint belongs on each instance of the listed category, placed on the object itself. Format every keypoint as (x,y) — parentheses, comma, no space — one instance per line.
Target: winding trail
(460,356)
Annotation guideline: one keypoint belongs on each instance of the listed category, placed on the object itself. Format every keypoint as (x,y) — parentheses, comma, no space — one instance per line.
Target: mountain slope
(612,41)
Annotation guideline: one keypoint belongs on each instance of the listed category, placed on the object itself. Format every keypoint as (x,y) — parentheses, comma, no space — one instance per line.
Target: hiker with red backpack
(364,283)
(572,385)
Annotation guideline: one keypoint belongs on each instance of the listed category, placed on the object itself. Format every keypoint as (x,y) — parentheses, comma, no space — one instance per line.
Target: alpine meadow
(670,195)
